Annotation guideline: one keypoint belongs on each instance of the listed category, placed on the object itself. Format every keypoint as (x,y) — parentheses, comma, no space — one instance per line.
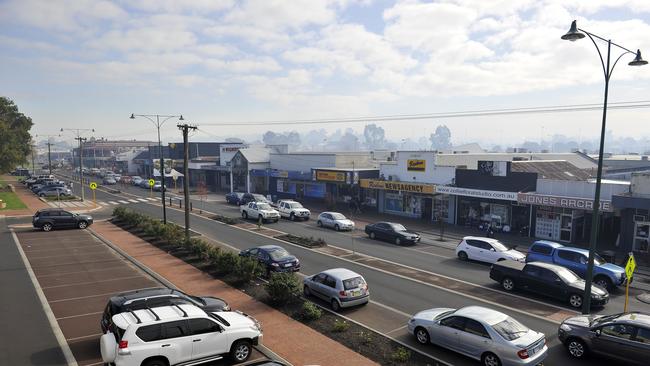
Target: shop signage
(231,148)
(416,165)
(330,176)
(564,202)
(479,193)
(398,186)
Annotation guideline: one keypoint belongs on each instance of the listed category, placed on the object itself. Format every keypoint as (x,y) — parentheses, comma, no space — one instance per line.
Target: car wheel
(244,214)
(603,282)
(490,359)
(422,335)
(41,195)
(319,223)
(155,362)
(576,348)
(292,217)
(335,305)
(372,235)
(337,227)
(47,227)
(306,291)
(575,301)
(508,284)
(82,224)
(398,241)
(240,351)
(462,256)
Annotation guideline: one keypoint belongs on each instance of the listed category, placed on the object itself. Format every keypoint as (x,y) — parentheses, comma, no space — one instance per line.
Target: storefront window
(474,213)
(642,237)
(407,203)
(441,207)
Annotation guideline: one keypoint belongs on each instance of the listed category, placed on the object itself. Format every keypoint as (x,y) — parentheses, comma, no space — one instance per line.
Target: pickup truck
(292,210)
(546,279)
(606,275)
(257,210)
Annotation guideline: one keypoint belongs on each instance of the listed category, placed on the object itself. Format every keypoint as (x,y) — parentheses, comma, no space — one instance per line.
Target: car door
(616,340)
(479,249)
(207,338)
(641,345)
(330,288)
(326,220)
(474,339)
(57,219)
(530,278)
(380,230)
(551,285)
(570,260)
(317,285)
(490,253)
(67,219)
(446,332)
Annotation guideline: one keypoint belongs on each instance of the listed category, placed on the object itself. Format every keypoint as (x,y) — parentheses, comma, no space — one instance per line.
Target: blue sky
(87,63)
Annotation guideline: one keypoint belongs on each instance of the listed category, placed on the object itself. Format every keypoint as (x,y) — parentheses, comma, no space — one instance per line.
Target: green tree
(15,138)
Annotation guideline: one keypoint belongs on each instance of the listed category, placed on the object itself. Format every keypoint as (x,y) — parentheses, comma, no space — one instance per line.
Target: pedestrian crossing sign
(93,185)
(630,267)
(151,182)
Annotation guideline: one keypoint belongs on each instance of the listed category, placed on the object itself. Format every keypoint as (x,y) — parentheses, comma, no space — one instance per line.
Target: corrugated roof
(256,154)
(551,169)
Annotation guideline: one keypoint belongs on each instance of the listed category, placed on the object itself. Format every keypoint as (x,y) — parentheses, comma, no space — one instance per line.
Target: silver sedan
(335,220)
(483,334)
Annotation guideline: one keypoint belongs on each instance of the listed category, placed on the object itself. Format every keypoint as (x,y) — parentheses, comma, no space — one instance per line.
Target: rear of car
(353,289)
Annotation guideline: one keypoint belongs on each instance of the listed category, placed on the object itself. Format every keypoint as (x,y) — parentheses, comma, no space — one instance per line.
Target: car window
(643,335)
(532,270)
(398,227)
(338,216)
(567,275)
(253,251)
(456,322)
(353,283)
(618,330)
(65,213)
(473,243)
(483,245)
(279,254)
(264,206)
(548,275)
(149,333)
(330,282)
(202,325)
(541,248)
(320,278)
(568,255)
(174,329)
(381,225)
(476,328)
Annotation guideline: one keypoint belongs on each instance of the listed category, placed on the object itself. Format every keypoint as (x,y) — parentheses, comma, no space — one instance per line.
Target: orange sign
(331,176)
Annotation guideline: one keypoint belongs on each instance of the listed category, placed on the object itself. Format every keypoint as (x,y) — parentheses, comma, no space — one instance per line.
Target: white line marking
(142,200)
(103,203)
(79,315)
(92,282)
(82,337)
(396,329)
(123,202)
(58,334)
(86,271)
(64,255)
(133,201)
(391,309)
(113,203)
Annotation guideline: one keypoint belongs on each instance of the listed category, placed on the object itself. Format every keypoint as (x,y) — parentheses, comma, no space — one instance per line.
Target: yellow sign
(630,267)
(398,186)
(151,182)
(330,176)
(416,165)
(93,185)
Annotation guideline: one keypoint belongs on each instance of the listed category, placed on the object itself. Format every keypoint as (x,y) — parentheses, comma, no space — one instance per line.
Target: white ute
(178,334)
(257,210)
(293,210)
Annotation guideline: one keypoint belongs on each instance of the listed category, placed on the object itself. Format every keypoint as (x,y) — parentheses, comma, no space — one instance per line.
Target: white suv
(292,210)
(178,334)
(486,250)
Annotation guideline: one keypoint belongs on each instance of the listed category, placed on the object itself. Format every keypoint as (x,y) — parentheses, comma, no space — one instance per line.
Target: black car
(392,232)
(155,297)
(234,198)
(56,218)
(250,197)
(546,279)
(274,258)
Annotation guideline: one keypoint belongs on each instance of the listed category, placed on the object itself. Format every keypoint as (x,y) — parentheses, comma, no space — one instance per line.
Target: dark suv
(250,197)
(155,297)
(56,218)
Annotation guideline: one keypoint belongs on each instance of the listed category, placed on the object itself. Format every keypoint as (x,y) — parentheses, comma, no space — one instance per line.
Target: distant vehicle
(625,336)
(144,184)
(606,275)
(274,258)
(54,192)
(486,250)
(234,198)
(480,333)
(259,210)
(157,186)
(108,181)
(292,210)
(335,220)
(392,232)
(20,172)
(340,287)
(56,218)
(250,197)
(548,280)
(135,180)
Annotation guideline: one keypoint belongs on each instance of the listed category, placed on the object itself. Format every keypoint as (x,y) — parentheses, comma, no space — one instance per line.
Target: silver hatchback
(335,220)
(340,287)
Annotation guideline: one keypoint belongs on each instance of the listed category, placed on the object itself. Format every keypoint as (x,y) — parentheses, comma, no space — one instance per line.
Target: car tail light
(124,344)
(523,354)
(342,294)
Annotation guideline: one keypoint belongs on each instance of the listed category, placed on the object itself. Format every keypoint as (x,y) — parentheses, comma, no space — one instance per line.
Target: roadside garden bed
(226,219)
(303,240)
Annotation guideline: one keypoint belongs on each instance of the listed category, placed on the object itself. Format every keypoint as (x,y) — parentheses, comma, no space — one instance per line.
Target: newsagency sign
(561,201)
(397,186)
(478,193)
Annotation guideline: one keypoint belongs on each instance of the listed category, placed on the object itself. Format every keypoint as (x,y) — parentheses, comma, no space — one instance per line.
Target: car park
(155,297)
(56,218)
(548,280)
(487,250)
(259,211)
(624,337)
(179,334)
(292,210)
(340,287)
(391,232)
(54,191)
(234,198)
(274,258)
(480,333)
(335,220)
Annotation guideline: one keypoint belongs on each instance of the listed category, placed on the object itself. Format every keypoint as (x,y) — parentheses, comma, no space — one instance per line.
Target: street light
(158,124)
(573,35)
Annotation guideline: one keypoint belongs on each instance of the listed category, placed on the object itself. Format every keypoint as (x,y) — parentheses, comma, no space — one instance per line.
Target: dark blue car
(274,258)
(234,198)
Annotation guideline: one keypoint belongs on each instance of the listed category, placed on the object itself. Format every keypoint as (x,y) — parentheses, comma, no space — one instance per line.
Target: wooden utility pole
(186,179)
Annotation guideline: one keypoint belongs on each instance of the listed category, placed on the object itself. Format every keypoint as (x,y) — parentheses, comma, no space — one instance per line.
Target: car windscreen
(337,216)
(510,329)
(598,260)
(263,206)
(398,227)
(567,275)
(499,246)
(353,283)
(279,254)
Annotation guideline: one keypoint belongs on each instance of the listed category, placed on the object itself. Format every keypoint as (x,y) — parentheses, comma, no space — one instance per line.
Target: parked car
(252,197)
(548,280)
(178,334)
(108,181)
(144,184)
(234,198)
(259,210)
(292,210)
(606,275)
(624,336)
(135,180)
(157,186)
(274,258)
(340,287)
(480,333)
(155,297)
(486,250)
(392,232)
(36,188)
(335,220)
(56,218)
(54,191)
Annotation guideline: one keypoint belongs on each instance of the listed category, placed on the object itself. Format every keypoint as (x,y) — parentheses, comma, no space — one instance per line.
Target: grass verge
(12,201)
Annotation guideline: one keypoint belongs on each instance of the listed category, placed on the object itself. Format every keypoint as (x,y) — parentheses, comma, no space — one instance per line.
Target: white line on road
(123,202)
(92,282)
(84,337)
(396,329)
(113,203)
(133,201)
(79,315)
(142,200)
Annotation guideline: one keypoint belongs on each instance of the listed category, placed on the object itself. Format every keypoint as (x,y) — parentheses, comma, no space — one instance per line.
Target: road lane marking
(92,282)
(79,315)
(397,329)
(123,202)
(84,337)
(142,200)
(113,203)
(133,201)
(89,296)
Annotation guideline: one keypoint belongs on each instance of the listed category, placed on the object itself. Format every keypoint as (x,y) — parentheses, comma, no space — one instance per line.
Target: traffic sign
(151,182)
(93,185)
(630,267)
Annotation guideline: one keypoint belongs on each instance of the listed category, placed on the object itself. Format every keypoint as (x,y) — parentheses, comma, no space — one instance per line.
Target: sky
(91,63)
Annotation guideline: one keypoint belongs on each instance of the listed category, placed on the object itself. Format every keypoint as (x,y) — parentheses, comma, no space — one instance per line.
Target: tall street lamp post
(158,124)
(575,34)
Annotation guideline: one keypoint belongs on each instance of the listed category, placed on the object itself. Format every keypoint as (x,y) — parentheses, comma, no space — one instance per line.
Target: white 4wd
(257,210)
(178,334)
(293,210)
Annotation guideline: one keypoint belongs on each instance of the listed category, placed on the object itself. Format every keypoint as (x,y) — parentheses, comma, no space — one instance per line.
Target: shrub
(365,337)
(213,255)
(283,287)
(340,326)
(173,234)
(227,262)
(119,212)
(199,247)
(401,355)
(248,269)
(310,311)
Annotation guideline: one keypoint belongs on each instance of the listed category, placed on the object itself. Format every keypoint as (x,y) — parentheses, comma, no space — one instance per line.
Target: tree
(349,142)
(441,139)
(374,136)
(289,138)
(15,138)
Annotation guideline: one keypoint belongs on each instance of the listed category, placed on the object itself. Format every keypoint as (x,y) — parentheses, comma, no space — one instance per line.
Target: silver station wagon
(340,287)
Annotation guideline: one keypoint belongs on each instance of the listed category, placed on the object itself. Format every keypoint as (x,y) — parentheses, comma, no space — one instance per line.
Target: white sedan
(486,250)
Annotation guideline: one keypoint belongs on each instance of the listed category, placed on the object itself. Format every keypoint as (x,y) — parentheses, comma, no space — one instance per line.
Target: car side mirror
(598,332)
(492,249)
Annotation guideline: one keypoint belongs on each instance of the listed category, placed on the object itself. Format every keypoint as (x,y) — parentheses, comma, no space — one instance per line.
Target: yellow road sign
(630,267)
(151,182)
(93,185)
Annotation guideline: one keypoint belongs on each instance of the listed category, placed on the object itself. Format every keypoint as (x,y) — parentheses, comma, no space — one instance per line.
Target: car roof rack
(135,316)
(153,312)
(182,311)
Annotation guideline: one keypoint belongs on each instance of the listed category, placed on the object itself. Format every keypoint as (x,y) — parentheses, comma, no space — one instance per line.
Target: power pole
(186,181)
(81,140)
(49,156)
(33,165)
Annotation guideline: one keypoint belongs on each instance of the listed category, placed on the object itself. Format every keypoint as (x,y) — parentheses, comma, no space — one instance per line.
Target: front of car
(599,296)
(83,217)
(282,261)
(267,212)
(575,332)
(299,211)
(343,222)
(508,253)
(426,319)
(239,325)
(406,235)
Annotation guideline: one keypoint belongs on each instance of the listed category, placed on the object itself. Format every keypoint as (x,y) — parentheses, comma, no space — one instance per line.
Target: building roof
(256,154)
(551,169)
(470,160)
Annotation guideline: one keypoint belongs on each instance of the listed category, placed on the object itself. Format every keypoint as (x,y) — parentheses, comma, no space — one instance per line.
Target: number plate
(356,293)
(287,264)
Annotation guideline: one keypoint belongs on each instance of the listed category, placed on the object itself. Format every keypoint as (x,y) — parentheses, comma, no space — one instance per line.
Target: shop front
(635,226)
(342,185)
(289,184)
(476,207)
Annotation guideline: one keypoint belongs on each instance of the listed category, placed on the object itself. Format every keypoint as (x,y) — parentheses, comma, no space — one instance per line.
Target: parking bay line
(84,337)
(92,282)
(89,296)
(79,315)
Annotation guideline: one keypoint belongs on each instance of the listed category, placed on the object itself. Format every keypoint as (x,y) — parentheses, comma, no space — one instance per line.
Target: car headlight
(275,265)
(565,327)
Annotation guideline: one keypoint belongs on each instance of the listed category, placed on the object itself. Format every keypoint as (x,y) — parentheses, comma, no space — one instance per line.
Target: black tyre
(508,284)
(490,359)
(306,291)
(422,336)
(156,362)
(337,227)
(292,217)
(462,256)
(372,235)
(603,282)
(576,348)
(82,225)
(47,226)
(240,351)
(398,241)
(244,214)
(319,223)
(575,300)
(335,305)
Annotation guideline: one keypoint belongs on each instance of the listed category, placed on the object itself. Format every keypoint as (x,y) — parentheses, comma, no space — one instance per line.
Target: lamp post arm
(600,55)
(615,62)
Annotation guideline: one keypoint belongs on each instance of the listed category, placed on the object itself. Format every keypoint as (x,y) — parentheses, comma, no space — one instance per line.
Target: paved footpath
(292,340)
